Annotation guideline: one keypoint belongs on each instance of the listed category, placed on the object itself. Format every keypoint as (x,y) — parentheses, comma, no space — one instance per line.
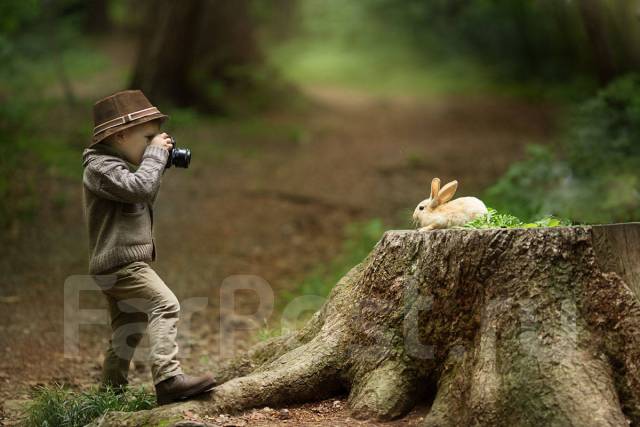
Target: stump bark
(492,327)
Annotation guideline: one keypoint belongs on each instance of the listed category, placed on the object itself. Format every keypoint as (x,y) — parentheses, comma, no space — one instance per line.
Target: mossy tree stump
(521,327)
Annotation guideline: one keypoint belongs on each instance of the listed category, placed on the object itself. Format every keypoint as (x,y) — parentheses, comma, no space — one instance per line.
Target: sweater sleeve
(112,179)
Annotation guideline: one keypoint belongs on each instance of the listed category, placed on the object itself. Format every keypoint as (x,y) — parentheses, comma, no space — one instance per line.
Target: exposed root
(385,393)
(166,415)
(447,409)
(306,373)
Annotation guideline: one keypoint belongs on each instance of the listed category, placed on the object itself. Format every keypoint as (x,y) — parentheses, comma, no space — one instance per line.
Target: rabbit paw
(427,228)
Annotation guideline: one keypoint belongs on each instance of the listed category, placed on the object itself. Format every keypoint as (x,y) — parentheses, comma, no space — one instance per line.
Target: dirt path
(270,200)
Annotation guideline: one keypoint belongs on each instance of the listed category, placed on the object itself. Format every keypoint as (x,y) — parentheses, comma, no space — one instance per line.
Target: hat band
(124,119)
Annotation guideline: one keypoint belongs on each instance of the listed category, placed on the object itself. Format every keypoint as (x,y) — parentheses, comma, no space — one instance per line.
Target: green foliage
(593,175)
(61,407)
(40,136)
(35,38)
(14,14)
(519,38)
(541,41)
(605,130)
(384,69)
(521,47)
(343,43)
(494,219)
(527,189)
(35,51)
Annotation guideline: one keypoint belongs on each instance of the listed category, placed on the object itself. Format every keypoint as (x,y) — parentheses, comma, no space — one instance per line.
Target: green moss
(165,422)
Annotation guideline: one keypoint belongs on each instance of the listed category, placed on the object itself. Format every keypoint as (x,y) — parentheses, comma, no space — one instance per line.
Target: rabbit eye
(421,208)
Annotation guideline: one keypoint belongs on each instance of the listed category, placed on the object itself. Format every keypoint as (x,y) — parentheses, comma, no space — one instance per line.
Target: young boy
(122,171)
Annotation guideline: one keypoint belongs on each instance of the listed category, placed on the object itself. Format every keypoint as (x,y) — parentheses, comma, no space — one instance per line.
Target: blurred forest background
(230,59)
(315,125)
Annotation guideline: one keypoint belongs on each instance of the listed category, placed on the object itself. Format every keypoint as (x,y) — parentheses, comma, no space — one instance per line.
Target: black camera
(178,157)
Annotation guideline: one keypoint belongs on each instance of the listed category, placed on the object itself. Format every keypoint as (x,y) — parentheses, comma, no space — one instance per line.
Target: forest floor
(268,196)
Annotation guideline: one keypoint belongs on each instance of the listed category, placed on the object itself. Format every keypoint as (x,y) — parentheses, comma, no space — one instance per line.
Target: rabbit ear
(435,187)
(447,192)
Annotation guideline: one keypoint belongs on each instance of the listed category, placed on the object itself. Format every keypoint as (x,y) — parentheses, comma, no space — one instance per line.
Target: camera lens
(181,157)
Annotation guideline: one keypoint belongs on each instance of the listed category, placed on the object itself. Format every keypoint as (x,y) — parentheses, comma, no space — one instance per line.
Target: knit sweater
(118,205)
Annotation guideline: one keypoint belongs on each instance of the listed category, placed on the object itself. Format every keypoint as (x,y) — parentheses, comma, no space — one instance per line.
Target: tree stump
(493,327)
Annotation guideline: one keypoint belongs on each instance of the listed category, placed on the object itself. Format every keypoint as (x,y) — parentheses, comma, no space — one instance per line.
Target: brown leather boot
(183,386)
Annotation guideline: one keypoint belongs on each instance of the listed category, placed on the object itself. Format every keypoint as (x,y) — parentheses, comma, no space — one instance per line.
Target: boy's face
(132,142)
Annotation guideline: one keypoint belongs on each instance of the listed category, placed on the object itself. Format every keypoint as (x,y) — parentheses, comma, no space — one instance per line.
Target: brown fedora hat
(120,111)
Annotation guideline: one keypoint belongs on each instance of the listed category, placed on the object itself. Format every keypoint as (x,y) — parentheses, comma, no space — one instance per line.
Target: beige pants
(140,300)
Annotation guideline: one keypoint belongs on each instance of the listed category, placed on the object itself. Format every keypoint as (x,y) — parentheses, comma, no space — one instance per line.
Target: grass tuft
(59,406)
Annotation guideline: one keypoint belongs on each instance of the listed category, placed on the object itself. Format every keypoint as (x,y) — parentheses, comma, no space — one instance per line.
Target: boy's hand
(162,140)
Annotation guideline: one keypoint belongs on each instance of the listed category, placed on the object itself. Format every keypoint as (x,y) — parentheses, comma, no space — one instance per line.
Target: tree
(97,18)
(197,52)
(494,327)
(594,24)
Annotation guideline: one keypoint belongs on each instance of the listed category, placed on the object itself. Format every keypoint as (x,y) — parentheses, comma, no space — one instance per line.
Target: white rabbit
(438,212)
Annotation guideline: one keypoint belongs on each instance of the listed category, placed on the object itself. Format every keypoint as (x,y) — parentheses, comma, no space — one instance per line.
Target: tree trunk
(97,16)
(594,21)
(197,52)
(494,327)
